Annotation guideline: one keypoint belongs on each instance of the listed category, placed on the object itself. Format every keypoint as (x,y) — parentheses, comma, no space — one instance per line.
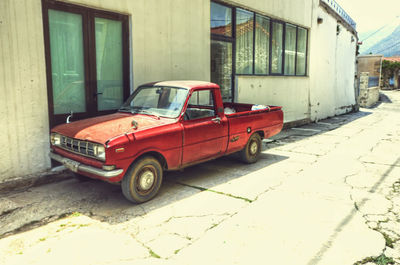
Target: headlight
(100,152)
(55,139)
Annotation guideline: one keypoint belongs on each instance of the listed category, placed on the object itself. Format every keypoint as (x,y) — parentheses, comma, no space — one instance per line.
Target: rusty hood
(102,128)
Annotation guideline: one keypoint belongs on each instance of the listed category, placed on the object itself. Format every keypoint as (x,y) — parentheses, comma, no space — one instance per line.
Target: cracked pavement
(323,193)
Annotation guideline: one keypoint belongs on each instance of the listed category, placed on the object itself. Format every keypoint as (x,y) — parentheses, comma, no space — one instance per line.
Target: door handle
(217,120)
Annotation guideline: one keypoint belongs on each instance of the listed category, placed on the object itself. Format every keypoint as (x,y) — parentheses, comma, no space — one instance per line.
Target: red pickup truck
(162,126)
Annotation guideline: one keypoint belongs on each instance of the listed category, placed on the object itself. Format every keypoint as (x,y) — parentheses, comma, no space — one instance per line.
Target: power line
(388,47)
(374,33)
(379,29)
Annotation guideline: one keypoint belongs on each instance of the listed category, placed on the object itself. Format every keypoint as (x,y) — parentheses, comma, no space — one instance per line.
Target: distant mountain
(385,40)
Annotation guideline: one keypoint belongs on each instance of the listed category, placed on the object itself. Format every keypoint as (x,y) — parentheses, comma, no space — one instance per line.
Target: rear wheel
(143,180)
(252,150)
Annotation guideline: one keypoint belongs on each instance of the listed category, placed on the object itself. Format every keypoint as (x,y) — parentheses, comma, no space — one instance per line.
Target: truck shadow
(105,202)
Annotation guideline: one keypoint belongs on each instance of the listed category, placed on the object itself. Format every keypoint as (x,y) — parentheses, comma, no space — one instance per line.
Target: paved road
(324,193)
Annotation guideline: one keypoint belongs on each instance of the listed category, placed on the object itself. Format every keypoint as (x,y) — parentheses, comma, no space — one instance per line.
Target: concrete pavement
(324,193)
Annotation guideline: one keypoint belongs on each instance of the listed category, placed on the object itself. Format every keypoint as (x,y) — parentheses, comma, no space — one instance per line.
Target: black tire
(143,180)
(251,152)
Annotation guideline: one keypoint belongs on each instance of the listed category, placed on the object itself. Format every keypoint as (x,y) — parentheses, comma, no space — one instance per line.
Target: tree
(389,69)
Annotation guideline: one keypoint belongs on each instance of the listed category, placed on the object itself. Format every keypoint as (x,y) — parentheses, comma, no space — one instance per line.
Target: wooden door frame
(89,57)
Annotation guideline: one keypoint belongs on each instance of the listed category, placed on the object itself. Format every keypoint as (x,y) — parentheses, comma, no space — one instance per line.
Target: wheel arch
(261,133)
(156,155)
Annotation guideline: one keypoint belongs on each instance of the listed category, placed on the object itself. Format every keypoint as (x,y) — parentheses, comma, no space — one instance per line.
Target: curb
(28,181)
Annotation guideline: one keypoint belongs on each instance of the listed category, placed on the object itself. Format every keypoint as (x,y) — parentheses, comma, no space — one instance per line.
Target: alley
(323,193)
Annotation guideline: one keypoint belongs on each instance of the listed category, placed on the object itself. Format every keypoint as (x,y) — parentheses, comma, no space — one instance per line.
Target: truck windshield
(157,101)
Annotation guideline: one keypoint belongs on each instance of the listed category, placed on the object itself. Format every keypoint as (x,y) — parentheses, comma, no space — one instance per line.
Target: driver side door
(203,128)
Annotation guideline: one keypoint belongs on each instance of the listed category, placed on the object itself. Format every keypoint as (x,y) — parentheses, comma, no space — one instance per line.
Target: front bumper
(76,166)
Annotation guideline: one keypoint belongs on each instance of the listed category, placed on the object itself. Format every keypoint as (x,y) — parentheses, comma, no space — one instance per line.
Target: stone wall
(368,96)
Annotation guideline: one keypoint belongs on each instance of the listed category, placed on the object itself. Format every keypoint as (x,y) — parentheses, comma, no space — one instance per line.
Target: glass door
(109,64)
(67,62)
(221,67)
(222,46)
(86,59)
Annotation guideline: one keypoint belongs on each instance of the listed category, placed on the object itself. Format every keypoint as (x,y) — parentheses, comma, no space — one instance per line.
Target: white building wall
(332,66)
(297,12)
(23,93)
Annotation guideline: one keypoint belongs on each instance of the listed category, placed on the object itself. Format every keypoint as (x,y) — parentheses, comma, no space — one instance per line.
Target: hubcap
(146,180)
(253,148)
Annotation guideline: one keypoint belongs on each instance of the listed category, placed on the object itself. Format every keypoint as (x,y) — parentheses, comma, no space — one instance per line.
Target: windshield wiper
(142,111)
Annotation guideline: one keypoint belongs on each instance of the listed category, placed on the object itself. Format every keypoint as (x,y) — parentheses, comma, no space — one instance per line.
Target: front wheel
(252,150)
(143,180)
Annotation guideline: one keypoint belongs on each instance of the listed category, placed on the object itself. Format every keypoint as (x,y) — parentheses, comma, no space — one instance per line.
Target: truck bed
(267,122)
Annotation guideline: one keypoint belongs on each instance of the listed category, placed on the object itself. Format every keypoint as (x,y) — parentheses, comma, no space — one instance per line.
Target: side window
(201,105)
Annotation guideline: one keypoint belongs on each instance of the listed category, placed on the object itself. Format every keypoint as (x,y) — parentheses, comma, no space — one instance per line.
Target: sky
(371,14)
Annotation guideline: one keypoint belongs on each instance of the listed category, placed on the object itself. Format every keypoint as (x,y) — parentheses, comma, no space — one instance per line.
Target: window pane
(244,41)
(290,49)
(201,105)
(262,45)
(276,49)
(67,68)
(301,51)
(221,19)
(221,67)
(109,63)
(202,97)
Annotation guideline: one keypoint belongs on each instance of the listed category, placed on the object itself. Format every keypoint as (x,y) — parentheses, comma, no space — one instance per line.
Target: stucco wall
(298,12)
(23,112)
(289,92)
(332,66)
(370,64)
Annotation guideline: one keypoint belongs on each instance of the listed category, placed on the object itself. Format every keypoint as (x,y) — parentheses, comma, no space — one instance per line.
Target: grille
(77,146)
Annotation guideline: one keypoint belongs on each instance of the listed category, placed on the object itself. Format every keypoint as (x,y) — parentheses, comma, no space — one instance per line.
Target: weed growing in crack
(388,240)
(380,260)
(153,254)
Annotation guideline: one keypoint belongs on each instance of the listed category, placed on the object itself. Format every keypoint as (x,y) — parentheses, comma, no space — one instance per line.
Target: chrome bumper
(75,166)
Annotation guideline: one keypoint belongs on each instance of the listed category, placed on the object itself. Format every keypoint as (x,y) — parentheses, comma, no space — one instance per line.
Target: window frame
(89,57)
(232,39)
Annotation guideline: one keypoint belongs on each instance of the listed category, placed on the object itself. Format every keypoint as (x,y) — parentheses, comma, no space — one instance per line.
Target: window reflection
(221,19)
(262,45)
(290,49)
(244,41)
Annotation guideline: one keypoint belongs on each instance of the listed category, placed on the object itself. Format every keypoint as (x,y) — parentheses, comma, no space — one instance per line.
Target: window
(262,45)
(222,49)
(277,48)
(201,105)
(87,60)
(221,19)
(301,51)
(244,41)
(290,49)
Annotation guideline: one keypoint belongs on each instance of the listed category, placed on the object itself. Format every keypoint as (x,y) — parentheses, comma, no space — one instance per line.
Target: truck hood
(102,128)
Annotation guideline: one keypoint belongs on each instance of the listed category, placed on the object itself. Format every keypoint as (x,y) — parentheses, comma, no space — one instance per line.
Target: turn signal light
(119,150)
